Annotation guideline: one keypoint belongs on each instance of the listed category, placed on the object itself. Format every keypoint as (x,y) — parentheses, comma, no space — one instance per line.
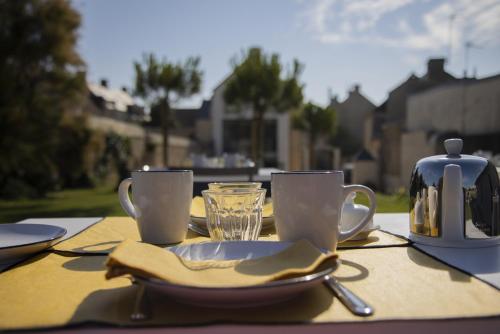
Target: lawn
(67,203)
(104,202)
(388,203)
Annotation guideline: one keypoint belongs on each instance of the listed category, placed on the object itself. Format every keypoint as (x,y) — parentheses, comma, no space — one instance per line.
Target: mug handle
(125,199)
(345,235)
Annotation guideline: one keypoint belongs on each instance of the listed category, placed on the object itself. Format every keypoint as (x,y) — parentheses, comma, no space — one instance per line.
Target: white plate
(236,297)
(20,240)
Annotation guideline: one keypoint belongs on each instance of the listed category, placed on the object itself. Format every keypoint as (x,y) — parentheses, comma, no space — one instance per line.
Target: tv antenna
(467,47)
(450,35)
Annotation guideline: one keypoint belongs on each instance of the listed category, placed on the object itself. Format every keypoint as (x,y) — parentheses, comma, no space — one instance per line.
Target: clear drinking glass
(234,215)
(234,185)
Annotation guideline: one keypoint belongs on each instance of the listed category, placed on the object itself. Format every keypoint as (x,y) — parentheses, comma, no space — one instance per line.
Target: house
(114,103)
(114,112)
(231,131)
(390,120)
(351,116)
(468,108)
(395,109)
(195,123)
(423,111)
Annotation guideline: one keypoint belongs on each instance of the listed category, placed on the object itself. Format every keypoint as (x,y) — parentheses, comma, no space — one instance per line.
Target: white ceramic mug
(161,203)
(308,205)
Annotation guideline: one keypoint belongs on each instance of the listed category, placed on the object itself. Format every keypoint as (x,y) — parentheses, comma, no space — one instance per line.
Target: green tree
(258,81)
(41,77)
(316,122)
(161,82)
(346,142)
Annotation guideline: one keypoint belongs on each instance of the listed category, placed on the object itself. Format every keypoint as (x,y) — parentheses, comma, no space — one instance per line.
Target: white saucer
(236,297)
(20,240)
(363,235)
(199,224)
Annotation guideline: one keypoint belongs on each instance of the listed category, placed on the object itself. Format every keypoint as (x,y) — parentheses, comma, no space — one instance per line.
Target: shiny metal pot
(454,200)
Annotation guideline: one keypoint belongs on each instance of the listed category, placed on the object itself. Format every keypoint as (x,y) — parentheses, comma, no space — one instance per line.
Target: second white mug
(308,205)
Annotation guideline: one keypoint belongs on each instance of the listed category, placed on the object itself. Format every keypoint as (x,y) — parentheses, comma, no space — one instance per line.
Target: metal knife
(355,304)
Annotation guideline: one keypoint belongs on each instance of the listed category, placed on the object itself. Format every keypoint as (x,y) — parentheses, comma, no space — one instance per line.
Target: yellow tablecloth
(104,236)
(399,282)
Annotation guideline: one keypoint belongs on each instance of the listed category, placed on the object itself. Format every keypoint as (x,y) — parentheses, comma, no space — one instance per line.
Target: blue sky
(376,43)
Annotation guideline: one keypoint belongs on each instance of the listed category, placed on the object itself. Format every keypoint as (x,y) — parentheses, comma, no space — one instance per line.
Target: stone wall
(371,143)
(391,156)
(299,154)
(414,146)
(469,108)
(365,173)
(145,144)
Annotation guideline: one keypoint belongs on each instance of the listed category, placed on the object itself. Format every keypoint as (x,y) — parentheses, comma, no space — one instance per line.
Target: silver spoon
(355,304)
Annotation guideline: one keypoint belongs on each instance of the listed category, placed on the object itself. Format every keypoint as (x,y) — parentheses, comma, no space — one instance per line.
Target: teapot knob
(453,146)
(452,213)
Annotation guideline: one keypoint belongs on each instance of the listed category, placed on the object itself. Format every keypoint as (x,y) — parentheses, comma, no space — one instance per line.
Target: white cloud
(481,22)
(404,27)
(317,15)
(368,12)
(362,21)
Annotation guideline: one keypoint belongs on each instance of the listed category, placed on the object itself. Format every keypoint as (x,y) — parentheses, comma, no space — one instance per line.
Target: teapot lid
(431,169)
(453,148)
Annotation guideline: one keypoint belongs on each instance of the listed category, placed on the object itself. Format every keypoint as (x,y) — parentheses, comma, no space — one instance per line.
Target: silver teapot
(455,200)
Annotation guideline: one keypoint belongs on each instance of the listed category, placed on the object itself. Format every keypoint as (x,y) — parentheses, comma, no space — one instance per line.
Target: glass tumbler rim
(238,192)
(237,183)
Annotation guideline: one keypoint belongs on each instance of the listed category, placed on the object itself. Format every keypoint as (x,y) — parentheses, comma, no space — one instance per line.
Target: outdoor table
(63,289)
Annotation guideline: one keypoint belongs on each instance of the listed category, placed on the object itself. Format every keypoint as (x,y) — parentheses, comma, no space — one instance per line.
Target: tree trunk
(165,125)
(257,137)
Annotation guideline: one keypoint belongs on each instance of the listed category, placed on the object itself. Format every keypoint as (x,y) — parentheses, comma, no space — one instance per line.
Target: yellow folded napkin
(198,208)
(146,260)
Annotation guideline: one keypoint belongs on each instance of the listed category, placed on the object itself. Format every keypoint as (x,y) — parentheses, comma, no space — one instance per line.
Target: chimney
(435,67)
(104,83)
(355,89)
